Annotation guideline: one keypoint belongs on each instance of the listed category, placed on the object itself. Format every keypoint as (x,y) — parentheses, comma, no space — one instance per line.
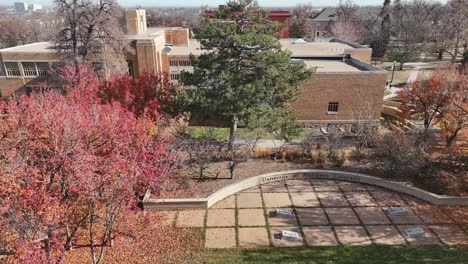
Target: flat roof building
(343,84)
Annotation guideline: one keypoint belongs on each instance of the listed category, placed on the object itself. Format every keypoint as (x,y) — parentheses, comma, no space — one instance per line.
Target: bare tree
(347,26)
(25,29)
(90,32)
(240,152)
(301,24)
(410,29)
(457,20)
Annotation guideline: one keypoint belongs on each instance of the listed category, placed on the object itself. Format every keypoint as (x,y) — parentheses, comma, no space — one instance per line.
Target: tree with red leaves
(148,94)
(70,162)
(441,100)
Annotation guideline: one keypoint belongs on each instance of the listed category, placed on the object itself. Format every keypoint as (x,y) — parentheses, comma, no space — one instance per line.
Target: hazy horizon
(212,3)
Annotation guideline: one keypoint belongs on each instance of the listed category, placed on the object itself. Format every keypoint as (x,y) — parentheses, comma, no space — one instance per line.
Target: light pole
(393,70)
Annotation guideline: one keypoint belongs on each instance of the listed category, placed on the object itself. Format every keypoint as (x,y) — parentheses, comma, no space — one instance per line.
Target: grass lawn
(343,254)
(399,78)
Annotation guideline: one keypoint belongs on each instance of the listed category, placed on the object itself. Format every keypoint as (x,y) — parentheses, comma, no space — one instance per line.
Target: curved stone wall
(172,204)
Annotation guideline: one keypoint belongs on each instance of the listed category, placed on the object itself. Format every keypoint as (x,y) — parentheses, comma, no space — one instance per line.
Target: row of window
(175,76)
(180,63)
(30,69)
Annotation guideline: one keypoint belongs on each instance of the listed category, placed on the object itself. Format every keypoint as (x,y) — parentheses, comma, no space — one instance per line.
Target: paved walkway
(327,213)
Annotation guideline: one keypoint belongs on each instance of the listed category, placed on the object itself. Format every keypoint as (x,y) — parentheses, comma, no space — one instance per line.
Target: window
(318,34)
(175,76)
(12,69)
(173,63)
(2,69)
(333,107)
(29,69)
(130,68)
(42,68)
(184,63)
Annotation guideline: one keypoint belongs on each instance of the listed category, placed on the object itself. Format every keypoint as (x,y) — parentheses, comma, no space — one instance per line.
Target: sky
(143,3)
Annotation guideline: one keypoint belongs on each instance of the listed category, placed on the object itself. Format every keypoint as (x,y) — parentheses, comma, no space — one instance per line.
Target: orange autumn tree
(441,100)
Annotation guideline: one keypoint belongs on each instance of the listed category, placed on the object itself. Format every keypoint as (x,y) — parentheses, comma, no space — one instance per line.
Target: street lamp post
(393,70)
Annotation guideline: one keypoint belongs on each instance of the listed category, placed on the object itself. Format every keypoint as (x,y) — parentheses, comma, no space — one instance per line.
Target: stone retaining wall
(172,204)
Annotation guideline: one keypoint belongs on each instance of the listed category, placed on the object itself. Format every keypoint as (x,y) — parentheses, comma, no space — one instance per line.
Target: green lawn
(342,254)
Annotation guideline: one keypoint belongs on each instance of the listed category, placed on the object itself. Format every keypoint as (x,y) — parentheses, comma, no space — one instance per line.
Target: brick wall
(351,90)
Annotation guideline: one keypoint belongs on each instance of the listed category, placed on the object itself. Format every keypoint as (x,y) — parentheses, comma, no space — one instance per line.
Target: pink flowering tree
(70,162)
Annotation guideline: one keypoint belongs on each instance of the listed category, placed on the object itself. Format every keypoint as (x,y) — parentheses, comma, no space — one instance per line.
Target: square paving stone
(352,235)
(319,236)
(428,239)
(325,185)
(253,237)
(251,217)
(450,234)
(273,200)
(274,220)
(332,199)
(372,215)
(229,202)
(305,199)
(408,218)
(459,214)
(191,218)
(352,186)
(385,235)
(312,216)
(299,186)
(342,216)
(278,242)
(220,238)
(386,198)
(432,214)
(360,199)
(249,200)
(274,187)
(255,189)
(221,217)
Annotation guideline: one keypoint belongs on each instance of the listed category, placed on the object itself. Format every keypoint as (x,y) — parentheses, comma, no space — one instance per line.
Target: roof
(330,66)
(329,13)
(193,48)
(37,47)
(150,33)
(300,48)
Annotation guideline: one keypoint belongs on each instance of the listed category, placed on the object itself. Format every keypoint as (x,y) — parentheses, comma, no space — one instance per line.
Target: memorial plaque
(284,213)
(414,232)
(289,235)
(397,211)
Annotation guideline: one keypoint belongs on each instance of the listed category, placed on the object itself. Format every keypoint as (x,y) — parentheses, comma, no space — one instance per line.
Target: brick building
(344,82)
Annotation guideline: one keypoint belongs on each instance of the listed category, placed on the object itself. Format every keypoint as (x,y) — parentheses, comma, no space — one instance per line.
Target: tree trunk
(455,52)
(232,134)
(401,65)
(440,55)
(451,138)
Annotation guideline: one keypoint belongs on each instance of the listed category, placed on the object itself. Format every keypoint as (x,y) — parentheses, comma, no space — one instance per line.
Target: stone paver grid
(221,217)
(304,199)
(372,215)
(249,200)
(253,237)
(319,236)
(278,242)
(273,200)
(251,217)
(329,212)
(360,199)
(191,218)
(220,238)
(352,235)
(385,235)
(342,216)
(428,239)
(332,199)
(312,216)
(229,202)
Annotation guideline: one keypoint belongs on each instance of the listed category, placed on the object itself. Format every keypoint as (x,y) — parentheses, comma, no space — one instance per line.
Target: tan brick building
(343,84)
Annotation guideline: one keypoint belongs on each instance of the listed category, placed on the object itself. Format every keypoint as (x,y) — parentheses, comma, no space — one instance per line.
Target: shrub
(339,158)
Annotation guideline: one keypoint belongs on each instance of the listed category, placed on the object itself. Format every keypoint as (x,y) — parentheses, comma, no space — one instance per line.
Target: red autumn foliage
(148,94)
(70,162)
(442,100)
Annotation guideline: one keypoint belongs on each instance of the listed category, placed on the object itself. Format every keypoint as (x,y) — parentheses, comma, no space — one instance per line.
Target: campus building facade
(343,87)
